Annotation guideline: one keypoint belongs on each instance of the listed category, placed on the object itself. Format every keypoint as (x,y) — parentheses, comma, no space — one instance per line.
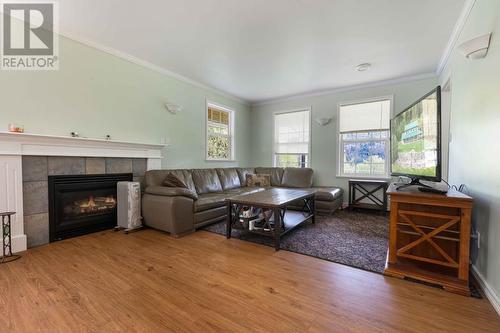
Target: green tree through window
(219,133)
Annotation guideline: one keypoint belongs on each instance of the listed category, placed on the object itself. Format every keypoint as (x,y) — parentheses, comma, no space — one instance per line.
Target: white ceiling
(264,49)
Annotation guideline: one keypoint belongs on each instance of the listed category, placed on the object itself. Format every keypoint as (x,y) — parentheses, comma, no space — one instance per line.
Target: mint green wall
(96,93)
(475,128)
(324,138)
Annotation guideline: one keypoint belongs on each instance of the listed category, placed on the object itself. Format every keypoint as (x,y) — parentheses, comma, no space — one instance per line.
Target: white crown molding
(143,63)
(490,293)
(161,70)
(148,65)
(347,88)
(455,35)
(127,57)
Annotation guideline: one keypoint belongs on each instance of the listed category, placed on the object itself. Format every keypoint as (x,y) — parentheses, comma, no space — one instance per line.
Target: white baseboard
(490,293)
(18,244)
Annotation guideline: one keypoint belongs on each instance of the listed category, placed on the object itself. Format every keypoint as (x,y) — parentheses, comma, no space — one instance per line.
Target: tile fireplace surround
(26,161)
(36,170)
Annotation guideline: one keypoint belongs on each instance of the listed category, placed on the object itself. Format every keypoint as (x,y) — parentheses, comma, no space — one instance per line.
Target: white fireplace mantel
(14,145)
(51,145)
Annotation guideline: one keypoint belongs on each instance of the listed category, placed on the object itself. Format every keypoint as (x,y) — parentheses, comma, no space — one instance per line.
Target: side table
(7,255)
(368,190)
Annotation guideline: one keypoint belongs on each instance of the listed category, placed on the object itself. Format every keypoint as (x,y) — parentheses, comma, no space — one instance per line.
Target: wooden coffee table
(277,219)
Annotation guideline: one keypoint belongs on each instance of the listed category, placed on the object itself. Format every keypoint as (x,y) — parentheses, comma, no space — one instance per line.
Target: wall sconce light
(476,48)
(323,121)
(173,108)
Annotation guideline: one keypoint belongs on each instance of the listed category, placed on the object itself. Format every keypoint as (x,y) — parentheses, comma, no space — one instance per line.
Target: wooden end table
(368,190)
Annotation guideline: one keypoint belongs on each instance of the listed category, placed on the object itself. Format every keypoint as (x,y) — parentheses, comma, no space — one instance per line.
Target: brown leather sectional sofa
(182,210)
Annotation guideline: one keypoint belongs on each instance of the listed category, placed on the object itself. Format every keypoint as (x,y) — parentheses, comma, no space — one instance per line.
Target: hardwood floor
(150,282)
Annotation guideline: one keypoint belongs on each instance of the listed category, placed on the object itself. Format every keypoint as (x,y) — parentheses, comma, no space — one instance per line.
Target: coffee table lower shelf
(277,224)
(291,220)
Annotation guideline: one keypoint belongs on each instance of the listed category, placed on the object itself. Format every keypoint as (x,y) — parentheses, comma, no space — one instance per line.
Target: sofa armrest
(171,191)
(328,193)
(171,214)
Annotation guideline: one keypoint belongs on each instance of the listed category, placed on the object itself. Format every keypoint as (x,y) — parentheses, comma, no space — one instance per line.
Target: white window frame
(231,131)
(307,108)
(340,153)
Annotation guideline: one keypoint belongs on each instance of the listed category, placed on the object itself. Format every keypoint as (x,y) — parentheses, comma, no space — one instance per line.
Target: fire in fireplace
(90,205)
(82,204)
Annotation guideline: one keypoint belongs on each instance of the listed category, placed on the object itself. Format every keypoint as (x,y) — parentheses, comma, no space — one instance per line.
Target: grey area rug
(351,238)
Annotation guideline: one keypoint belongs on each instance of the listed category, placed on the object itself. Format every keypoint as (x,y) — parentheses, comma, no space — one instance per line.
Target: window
(220,139)
(364,138)
(291,139)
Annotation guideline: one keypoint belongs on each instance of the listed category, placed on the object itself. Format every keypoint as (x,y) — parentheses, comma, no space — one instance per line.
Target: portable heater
(129,206)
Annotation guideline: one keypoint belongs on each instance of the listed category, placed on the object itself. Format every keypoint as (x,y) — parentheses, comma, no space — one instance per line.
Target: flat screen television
(416,140)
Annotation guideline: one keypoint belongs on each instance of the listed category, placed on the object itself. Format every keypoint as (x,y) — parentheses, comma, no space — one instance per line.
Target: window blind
(218,116)
(291,132)
(371,116)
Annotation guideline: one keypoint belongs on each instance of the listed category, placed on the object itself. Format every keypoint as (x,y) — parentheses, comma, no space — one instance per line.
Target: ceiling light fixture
(363,67)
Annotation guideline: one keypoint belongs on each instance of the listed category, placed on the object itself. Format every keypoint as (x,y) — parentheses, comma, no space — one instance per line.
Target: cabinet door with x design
(429,238)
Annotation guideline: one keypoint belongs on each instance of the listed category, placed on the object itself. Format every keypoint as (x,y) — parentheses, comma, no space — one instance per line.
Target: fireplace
(81,204)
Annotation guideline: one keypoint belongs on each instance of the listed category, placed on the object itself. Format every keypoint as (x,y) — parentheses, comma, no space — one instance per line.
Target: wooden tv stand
(430,237)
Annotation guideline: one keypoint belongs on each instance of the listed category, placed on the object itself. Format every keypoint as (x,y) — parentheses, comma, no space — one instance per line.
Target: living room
(160,158)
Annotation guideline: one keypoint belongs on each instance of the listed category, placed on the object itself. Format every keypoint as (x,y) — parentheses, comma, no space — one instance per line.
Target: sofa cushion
(185,176)
(172,180)
(209,201)
(242,173)
(209,216)
(171,191)
(229,178)
(206,181)
(262,180)
(327,193)
(276,174)
(156,177)
(297,177)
